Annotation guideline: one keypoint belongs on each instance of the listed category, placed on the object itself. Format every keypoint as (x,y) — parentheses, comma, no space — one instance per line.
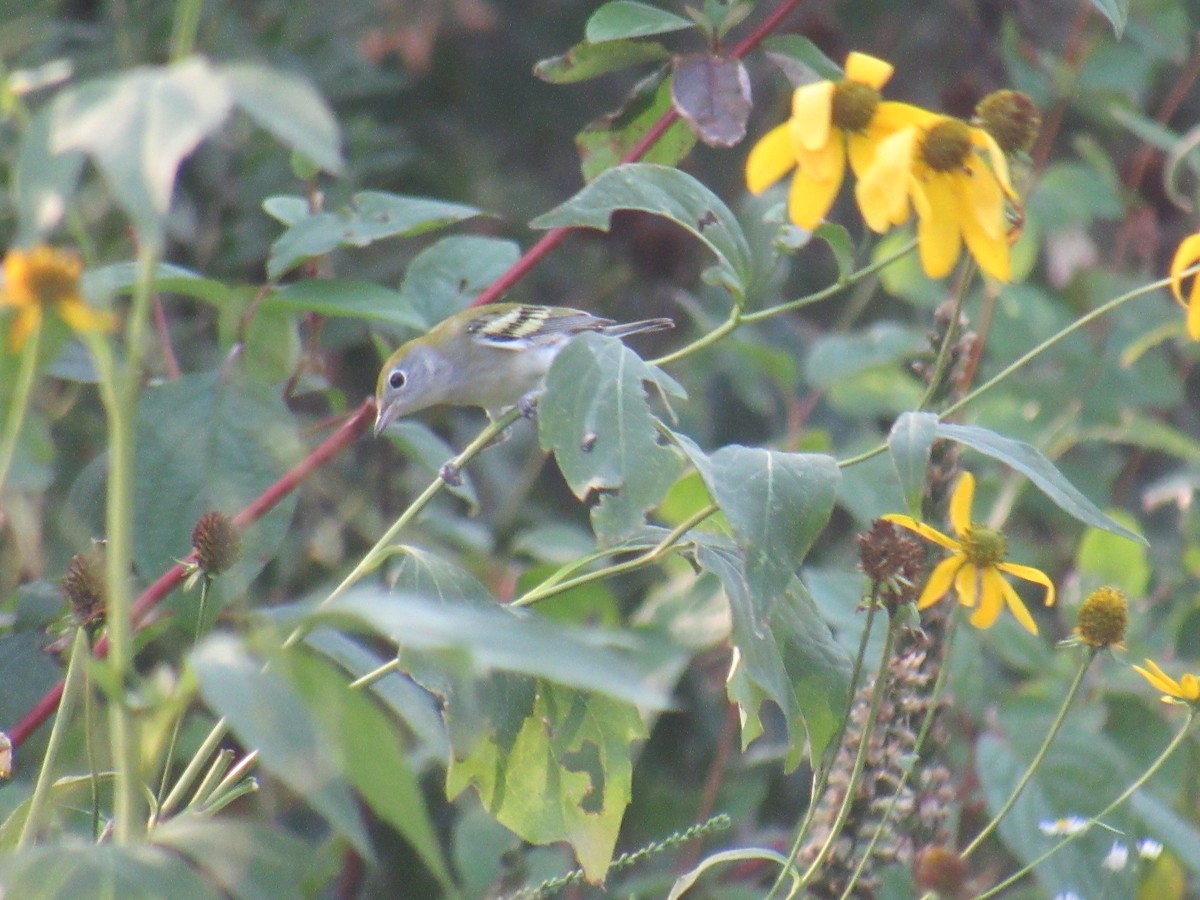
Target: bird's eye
(396,380)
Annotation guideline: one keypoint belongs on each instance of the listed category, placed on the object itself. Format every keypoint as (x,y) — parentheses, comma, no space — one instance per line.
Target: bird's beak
(383,418)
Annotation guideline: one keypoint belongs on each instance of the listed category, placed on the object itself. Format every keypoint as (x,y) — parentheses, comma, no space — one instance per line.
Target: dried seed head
(894,560)
(83,586)
(1011,118)
(941,870)
(217,543)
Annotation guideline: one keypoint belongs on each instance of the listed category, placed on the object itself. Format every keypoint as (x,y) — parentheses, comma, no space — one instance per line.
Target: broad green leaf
(445,277)
(1104,558)
(1117,13)
(28,673)
(352,299)
(496,638)
(69,793)
(138,127)
(120,278)
(71,869)
(1030,461)
(790,658)
(209,444)
(608,140)
(424,574)
(369,752)
(712,94)
(665,192)
(595,419)
(840,244)
(1070,195)
(881,345)
(800,59)
(909,443)
(626,19)
(243,859)
(268,715)
(289,108)
(776,504)
(43,181)
(585,60)
(371,216)
(566,774)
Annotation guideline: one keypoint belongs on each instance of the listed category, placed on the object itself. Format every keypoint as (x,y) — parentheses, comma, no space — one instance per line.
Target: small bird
(494,357)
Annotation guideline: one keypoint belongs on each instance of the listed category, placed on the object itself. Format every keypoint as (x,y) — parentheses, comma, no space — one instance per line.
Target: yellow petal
(27,319)
(966,584)
(940,580)
(960,503)
(1189,687)
(1186,256)
(938,234)
(925,531)
(1193,311)
(868,69)
(812,115)
(986,142)
(991,250)
(82,317)
(882,190)
(979,193)
(771,158)
(991,599)
(1159,679)
(827,163)
(809,199)
(1029,573)
(1015,605)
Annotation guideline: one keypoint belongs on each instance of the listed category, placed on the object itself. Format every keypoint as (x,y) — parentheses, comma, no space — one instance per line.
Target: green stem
(1125,795)
(541,592)
(1038,757)
(728,326)
(935,698)
(860,758)
(943,354)
(185,28)
(74,685)
(1016,364)
(19,403)
(192,770)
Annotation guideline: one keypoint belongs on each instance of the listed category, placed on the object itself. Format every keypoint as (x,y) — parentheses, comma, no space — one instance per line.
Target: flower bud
(1103,617)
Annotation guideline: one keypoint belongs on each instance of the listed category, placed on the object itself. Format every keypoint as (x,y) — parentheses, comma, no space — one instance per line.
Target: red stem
(175,575)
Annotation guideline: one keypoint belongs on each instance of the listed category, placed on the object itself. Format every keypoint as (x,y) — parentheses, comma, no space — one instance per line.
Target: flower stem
(184,28)
(943,354)
(1125,795)
(19,403)
(1061,717)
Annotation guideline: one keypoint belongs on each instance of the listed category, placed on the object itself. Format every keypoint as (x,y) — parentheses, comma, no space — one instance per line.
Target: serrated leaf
(290,108)
(371,216)
(909,443)
(350,299)
(70,869)
(245,860)
(666,192)
(267,715)
(712,93)
(209,444)
(446,276)
(497,638)
(586,60)
(138,127)
(1030,461)
(606,141)
(1117,13)
(595,418)
(626,19)
(565,774)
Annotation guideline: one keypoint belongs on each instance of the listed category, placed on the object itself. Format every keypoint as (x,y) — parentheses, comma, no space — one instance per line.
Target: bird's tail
(623,329)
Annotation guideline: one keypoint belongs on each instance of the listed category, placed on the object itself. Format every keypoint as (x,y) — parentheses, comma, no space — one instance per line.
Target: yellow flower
(1187,689)
(830,121)
(44,280)
(1187,256)
(957,179)
(974,567)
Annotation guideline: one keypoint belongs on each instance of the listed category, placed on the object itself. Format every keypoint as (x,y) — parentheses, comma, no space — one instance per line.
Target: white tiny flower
(1148,848)
(1117,857)
(1064,826)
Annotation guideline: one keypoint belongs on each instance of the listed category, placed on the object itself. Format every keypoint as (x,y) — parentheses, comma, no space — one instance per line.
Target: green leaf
(28,673)
(204,444)
(267,715)
(838,356)
(425,574)
(446,276)
(595,419)
(585,61)
(839,242)
(372,216)
(350,299)
(71,869)
(43,180)
(368,750)
(1117,13)
(138,127)
(244,859)
(666,192)
(565,774)
(120,278)
(1103,558)
(1030,461)
(909,443)
(625,19)
(288,107)
(800,59)
(497,638)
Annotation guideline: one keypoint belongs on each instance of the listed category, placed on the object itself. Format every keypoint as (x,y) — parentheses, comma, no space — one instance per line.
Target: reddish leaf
(712,94)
